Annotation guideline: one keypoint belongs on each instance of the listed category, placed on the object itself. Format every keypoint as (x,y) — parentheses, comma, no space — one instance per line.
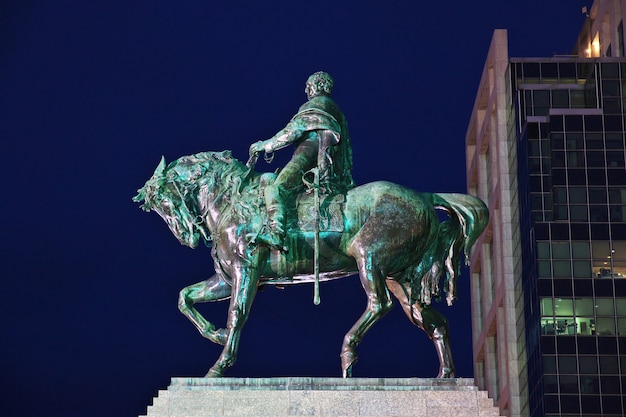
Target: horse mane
(184,179)
(233,181)
(196,169)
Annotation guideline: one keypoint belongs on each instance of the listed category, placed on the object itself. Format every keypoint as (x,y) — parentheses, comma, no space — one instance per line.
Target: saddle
(301,217)
(301,212)
(331,212)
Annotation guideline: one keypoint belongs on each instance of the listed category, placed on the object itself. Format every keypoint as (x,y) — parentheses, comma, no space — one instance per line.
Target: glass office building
(546,151)
(573,199)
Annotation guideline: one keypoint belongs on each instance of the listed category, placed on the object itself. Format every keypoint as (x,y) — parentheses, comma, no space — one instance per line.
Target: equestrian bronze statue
(326,229)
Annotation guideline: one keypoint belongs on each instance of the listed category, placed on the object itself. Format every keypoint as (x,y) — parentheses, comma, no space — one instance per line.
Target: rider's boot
(274,234)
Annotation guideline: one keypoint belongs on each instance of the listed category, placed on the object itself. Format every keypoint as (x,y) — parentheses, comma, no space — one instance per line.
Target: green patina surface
(310,223)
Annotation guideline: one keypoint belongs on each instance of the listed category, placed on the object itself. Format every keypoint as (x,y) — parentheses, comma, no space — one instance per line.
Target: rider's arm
(292,132)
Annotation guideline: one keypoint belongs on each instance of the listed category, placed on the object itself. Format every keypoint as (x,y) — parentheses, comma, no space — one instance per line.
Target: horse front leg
(431,321)
(212,289)
(378,304)
(244,288)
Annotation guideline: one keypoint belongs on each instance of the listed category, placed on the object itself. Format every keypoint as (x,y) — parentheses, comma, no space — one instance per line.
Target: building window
(560,99)
(584,316)
(588,365)
(595,259)
(609,259)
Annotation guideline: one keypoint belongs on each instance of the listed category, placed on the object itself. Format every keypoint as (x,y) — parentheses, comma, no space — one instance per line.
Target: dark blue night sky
(93,93)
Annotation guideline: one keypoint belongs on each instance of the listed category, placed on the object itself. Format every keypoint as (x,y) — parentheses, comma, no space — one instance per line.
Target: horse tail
(468,218)
(471,212)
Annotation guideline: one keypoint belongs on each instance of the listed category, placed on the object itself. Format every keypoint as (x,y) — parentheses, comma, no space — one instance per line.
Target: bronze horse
(390,235)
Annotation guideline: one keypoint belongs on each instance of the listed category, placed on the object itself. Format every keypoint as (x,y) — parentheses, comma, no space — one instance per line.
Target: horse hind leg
(441,339)
(378,304)
(436,326)
(212,289)
(432,322)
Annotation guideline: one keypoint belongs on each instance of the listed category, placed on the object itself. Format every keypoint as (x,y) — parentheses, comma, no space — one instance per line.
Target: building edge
(498,335)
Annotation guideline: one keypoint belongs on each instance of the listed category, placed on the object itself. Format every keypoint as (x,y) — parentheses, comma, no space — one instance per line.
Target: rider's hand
(256,147)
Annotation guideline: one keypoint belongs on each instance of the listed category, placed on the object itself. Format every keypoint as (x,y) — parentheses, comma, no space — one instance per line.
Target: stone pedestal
(321,397)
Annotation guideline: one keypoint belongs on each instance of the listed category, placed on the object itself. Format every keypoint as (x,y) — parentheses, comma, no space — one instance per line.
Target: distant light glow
(595,46)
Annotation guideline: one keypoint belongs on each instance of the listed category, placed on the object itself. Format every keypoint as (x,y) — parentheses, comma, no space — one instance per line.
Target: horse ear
(160,168)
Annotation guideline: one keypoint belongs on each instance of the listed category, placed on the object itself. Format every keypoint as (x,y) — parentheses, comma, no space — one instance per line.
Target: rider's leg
(275,234)
(287,183)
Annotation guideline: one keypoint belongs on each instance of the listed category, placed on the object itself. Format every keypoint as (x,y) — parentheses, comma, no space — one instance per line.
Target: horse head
(179,192)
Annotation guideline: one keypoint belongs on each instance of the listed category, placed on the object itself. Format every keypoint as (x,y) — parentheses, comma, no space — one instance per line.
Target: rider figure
(320,134)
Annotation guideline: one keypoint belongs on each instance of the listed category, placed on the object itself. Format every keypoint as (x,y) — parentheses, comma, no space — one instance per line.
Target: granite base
(321,397)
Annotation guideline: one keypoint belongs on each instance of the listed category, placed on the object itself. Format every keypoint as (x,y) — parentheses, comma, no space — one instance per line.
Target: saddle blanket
(331,212)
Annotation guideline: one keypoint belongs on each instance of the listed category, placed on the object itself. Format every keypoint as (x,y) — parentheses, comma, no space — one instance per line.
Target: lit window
(583,316)
(609,259)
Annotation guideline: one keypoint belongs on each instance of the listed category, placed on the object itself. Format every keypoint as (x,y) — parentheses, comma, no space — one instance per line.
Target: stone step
(321,397)
(160,404)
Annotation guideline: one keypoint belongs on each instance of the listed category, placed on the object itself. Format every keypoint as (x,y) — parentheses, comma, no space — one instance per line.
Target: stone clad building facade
(546,150)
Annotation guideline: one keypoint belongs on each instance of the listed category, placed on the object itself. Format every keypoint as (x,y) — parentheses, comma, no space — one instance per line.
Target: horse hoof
(348,359)
(446,373)
(213,373)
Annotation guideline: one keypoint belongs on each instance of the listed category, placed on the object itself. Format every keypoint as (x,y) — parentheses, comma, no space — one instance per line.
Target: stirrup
(272,240)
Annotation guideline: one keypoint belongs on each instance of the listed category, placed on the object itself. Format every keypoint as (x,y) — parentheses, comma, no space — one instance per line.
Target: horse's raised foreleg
(212,289)
(431,321)
(244,288)
(378,304)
